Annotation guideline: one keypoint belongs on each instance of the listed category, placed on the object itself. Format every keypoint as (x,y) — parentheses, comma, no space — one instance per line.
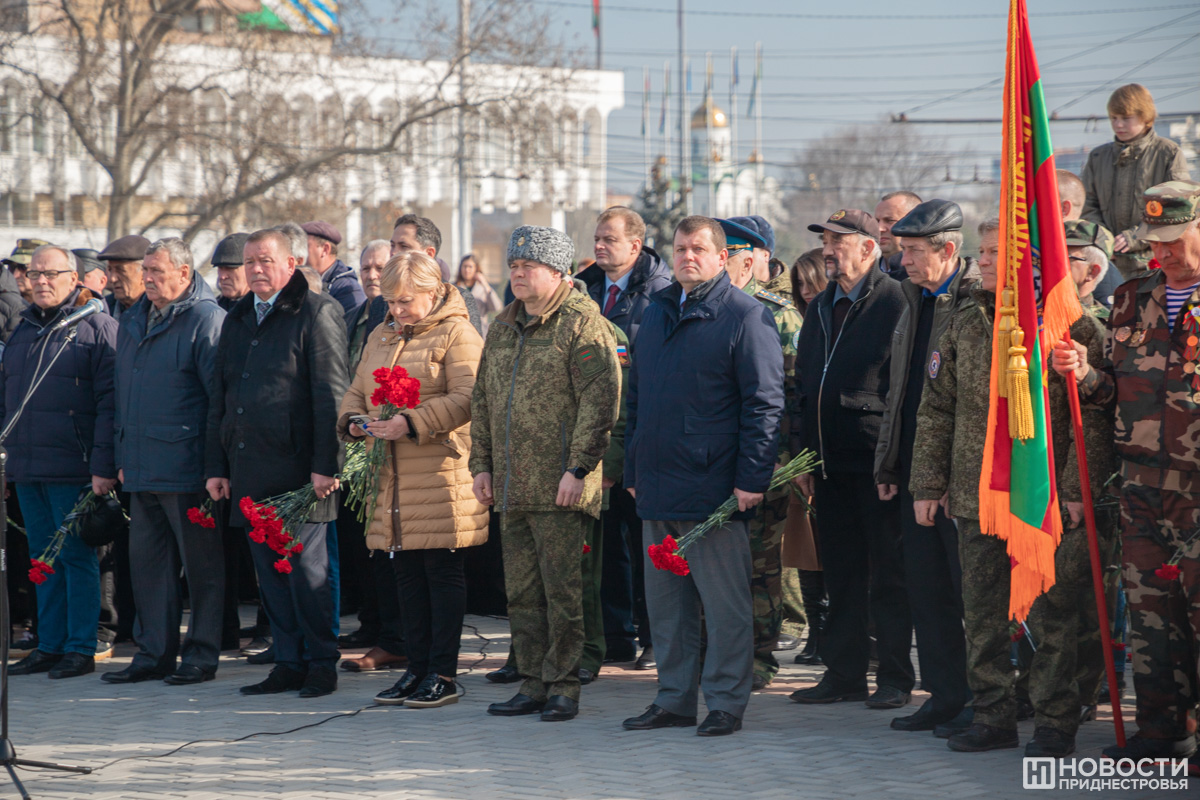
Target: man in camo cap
(1089,249)
(1152,376)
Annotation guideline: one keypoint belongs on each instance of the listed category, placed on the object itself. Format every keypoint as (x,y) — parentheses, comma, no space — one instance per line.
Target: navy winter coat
(342,282)
(164,377)
(66,432)
(650,274)
(705,403)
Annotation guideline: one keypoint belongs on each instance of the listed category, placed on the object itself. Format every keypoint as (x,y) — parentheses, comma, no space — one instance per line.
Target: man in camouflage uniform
(766,527)
(947,460)
(938,284)
(545,400)
(1152,376)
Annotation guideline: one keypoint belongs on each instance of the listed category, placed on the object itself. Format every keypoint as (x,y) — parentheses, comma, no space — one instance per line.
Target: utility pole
(462,200)
(685,131)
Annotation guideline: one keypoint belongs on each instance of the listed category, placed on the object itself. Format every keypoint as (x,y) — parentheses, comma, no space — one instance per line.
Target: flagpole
(665,125)
(646,121)
(685,177)
(733,127)
(1089,516)
(708,138)
(758,128)
(596,22)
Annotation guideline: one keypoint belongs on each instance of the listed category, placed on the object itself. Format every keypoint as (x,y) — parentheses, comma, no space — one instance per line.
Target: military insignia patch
(1122,334)
(837,215)
(935,364)
(623,355)
(796,340)
(521,242)
(589,360)
(1154,208)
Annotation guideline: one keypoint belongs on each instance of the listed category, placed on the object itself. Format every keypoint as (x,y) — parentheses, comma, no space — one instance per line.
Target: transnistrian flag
(1018,499)
(596,17)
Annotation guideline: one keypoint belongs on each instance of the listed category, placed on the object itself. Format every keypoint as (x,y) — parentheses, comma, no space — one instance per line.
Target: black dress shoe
(1049,742)
(265,657)
(72,665)
(956,725)
(281,679)
(888,697)
(1138,748)
(257,645)
(35,662)
(926,719)
(320,682)
(825,693)
(133,674)
(188,674)
(363,637)
(619,654)
(719,723)
(559,708)
(518,706)
(657,717)
(586,676)
(434,692)
(787,642)
(401,690)
(980,738)
(646,659)
(506,674)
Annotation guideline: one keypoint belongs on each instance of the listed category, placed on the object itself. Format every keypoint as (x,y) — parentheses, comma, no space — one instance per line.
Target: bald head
(1070,194)
(891,209)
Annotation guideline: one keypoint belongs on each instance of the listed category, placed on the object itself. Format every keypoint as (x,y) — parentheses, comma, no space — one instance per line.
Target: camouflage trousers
(766,581)
(1164,614)
(543,580)
(1054,623)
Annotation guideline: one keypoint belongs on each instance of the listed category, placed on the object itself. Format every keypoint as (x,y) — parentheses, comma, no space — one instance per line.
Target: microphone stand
(8,754)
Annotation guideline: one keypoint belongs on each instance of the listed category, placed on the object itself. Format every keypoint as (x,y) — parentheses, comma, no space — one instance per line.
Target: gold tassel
(1008,321)
(1020,405)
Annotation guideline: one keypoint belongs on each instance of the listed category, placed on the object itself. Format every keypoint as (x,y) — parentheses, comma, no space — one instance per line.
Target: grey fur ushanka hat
(543,245)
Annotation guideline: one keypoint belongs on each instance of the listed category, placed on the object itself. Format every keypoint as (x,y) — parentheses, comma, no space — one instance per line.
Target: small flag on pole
(596,17)
(662,120)
(754,89)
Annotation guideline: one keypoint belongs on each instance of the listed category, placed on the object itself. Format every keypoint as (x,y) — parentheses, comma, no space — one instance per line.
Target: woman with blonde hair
(424,511)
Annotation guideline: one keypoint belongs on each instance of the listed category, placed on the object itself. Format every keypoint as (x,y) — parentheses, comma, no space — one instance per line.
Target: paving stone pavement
(784,751)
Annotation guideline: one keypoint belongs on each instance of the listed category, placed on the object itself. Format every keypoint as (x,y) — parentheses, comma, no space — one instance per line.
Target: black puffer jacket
(650,274)
(276,392)
(11,304)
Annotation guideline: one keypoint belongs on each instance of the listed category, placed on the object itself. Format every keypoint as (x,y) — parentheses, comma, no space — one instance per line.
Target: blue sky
(829,65)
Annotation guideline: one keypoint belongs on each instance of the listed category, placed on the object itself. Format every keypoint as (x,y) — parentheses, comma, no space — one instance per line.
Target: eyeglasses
(48,274)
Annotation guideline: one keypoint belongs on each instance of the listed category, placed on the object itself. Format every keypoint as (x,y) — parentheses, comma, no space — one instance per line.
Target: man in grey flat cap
(938,285)
(337,277)
(546,399)
(123,259)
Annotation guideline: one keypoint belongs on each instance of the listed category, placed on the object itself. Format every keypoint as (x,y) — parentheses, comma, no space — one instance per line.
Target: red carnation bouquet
(395,391)
(42,567)
(202,515)
(669,555)
(1170,570)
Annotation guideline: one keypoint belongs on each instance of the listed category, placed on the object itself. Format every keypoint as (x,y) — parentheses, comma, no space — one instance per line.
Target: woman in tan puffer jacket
(425,512)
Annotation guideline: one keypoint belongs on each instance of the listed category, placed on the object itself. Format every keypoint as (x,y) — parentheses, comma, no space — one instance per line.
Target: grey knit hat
(543,245)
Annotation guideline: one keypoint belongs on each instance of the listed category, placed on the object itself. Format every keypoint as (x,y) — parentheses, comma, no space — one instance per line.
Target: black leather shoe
(620,655)
(825,693)
(35,662)
(265,657)
(133,674)
(188,674)
(363,637)
(506,674)
(956,725)
(434,691)
(719,723)
(72,665)
(646,659)
(586,676)
(1138,748)
(888,697)
(559,708)
(979,738)
(1050,742)
(925,719)
(657,717)
(281,679)
(401,690)
(257,645)
(320,682)
(519,706)
(787,642)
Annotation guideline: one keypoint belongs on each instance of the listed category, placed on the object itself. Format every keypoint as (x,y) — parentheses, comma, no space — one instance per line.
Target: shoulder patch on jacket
(777,299)
(623,355)
(590,360)
(935,364)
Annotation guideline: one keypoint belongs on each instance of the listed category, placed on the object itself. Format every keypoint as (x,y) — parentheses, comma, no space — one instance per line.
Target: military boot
(980,737)
(812,594)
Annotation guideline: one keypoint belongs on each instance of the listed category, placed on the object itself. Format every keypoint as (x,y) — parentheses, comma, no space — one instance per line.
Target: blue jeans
(69,600)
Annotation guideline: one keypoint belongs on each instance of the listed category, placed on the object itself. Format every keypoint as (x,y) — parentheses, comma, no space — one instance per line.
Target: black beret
(127,248)
(323,230)
(87,259)
(930,218)
(229,250)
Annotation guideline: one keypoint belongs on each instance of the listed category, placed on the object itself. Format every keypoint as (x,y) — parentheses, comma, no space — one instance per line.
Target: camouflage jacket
(958,295)
(788,321)
(1157,402)
(953,416)
(546,398)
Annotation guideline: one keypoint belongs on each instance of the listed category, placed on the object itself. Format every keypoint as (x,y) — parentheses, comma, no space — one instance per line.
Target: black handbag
(101,523)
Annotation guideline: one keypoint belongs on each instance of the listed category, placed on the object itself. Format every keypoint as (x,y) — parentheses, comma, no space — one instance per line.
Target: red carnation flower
(257,535)
(283,566)
(1154,264)
(1168,572)
(587,548)
(297,548)
(663,556)
(1018,634)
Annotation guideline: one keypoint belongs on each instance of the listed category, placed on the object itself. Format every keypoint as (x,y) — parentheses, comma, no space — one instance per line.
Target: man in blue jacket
(704,407)
(166,348)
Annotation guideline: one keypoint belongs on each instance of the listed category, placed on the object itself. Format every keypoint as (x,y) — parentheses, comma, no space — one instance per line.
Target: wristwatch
(578,472)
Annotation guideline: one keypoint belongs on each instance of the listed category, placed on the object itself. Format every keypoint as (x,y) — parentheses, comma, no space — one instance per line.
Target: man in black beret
(91,271)
(337,277)
(938,285)
(124,259)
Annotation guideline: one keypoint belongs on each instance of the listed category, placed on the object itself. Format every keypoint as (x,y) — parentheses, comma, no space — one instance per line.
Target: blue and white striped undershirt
(1175,300)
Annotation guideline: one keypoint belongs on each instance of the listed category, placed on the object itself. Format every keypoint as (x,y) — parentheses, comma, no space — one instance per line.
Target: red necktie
(613,291)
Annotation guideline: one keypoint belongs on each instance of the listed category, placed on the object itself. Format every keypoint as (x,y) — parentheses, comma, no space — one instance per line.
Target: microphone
(93,306)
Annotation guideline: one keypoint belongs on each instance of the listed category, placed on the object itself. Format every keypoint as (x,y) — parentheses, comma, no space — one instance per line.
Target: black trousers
(864,576)
(387,592)
(933,577)
(433,600)
(616,575)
